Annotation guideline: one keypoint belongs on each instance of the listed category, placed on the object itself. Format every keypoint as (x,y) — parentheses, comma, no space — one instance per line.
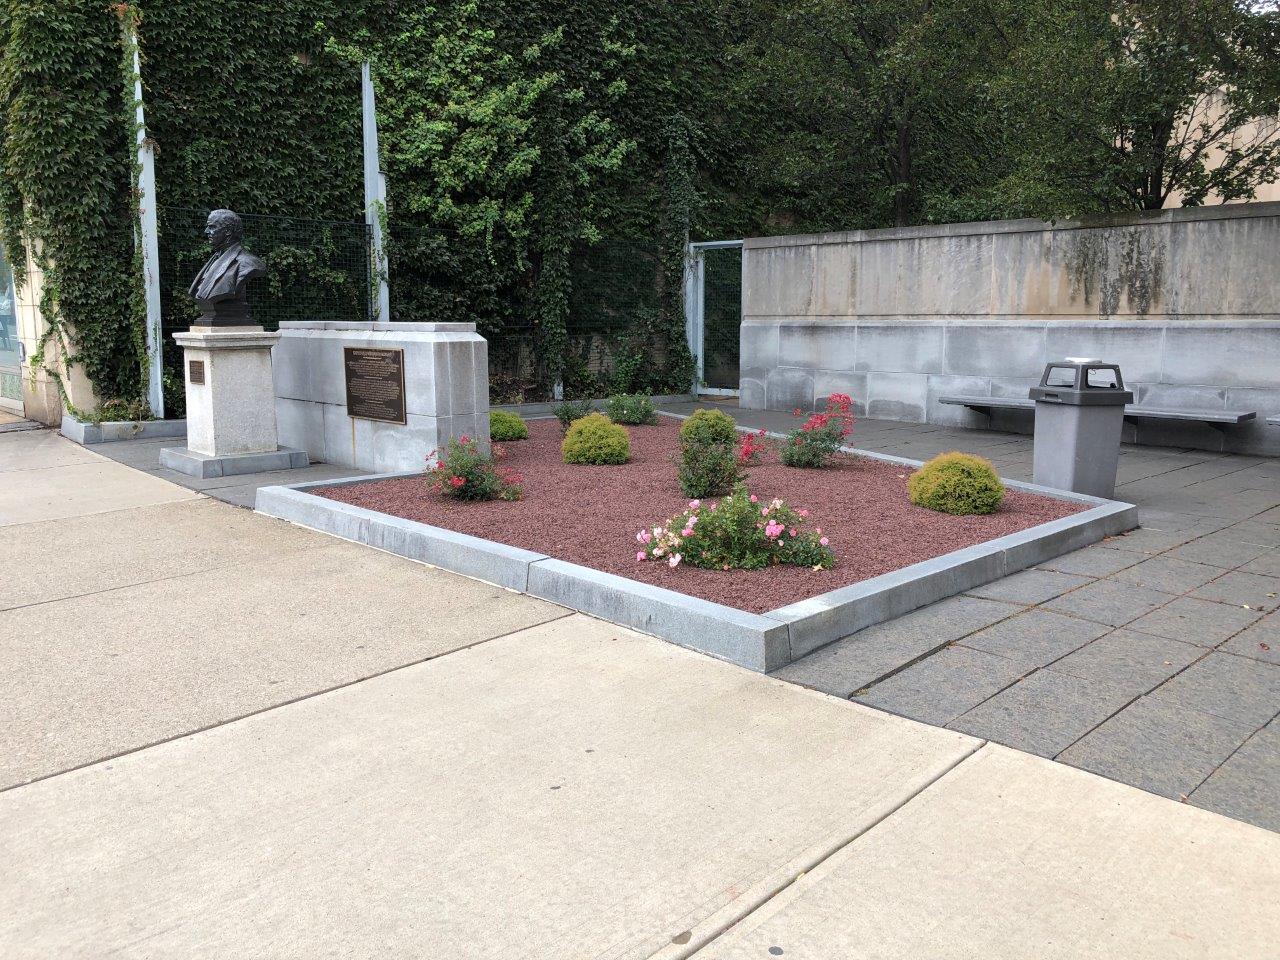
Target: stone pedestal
(231,418)
(444,392)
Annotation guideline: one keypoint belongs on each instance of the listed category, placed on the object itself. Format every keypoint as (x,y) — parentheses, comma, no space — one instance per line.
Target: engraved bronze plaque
(375,383)
(195,371)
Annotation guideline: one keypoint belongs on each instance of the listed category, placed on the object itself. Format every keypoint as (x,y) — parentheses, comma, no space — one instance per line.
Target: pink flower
(464,439)
(804,513)
(639,555)
(673,561)
(687,532)
(824,541)
(694,504)
(793,531)
(764,511)
(644,536)
(754,498)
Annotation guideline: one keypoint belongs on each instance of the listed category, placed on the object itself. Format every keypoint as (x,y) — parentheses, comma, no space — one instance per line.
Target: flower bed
(590,515)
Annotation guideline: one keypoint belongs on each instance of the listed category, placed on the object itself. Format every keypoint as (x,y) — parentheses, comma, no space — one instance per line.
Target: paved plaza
(227,736)
(1152,658)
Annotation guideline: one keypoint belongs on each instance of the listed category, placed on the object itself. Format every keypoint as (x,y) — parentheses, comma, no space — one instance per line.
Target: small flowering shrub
(821,436)
(504,425)
(956,483)
(632,408)
(595,439)
(738,533)
(570,411)
(752,447)
(708,465)
(466,472)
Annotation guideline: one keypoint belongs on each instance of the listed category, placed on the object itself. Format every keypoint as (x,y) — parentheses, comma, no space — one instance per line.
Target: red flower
(456,482)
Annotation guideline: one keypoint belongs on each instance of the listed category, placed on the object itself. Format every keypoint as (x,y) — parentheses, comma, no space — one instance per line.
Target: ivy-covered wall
(65,183)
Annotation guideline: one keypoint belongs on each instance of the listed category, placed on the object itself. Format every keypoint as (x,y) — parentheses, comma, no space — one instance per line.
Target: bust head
(223,229)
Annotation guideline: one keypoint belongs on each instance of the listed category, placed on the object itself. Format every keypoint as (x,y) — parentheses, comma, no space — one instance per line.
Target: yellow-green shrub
(709,426)
(956,483)
(596,439)
(504,426)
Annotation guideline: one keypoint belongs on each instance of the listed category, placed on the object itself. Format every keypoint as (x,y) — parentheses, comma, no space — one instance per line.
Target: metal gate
(713,313)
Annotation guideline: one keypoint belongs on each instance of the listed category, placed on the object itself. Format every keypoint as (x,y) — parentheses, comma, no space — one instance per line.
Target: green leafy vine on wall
(67,195)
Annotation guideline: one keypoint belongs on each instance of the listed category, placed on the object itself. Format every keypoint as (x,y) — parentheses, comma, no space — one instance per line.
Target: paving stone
(861,659)
(944,686)
(1242,589)
(1030,586)
(1095,561)
(1036,637)
(1245,785)
(1158,746)
(1150,540)
(1043,713)
(1168,575)
(1233,688)
(1202,622)
(1221,549)
(1109,601)
(1268,564)
(1259,642)
(1134,662)
(1255,531)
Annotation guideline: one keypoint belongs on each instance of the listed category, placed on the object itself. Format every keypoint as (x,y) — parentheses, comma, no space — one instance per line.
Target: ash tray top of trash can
(1080,382)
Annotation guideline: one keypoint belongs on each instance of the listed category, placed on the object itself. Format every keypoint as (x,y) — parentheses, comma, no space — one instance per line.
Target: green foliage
(737,534)
(505,426)
(1122,105)
(595,439)
(66,195)
(632,408)
(709,426)
(821,436)
(465,472)
(956,483)
(571,410)
(708,463)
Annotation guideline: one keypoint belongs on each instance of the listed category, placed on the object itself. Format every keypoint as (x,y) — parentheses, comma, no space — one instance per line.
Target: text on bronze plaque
(195,371)
(375,383)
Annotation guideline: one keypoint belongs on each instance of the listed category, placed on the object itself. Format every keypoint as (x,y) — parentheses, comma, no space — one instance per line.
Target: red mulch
(590,515)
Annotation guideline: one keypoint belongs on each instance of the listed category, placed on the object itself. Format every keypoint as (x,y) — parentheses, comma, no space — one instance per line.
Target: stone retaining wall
(1186,301)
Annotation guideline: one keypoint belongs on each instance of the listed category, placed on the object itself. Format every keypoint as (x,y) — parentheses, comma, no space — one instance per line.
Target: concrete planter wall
(1186,301)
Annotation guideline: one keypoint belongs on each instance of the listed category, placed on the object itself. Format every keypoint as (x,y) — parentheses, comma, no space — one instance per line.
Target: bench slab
(1132,410)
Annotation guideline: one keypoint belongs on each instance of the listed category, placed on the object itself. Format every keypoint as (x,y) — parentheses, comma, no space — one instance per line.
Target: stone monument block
(380,396)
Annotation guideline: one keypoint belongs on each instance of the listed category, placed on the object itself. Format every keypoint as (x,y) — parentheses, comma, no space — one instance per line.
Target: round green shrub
(596,439)
(708,427)
(505,426)
(957,483)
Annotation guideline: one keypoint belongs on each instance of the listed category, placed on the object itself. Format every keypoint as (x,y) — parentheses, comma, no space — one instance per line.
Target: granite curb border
(86,433)
(761,642)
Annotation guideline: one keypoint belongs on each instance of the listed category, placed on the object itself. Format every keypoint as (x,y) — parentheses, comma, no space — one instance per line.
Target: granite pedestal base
(231,417)
(206,467)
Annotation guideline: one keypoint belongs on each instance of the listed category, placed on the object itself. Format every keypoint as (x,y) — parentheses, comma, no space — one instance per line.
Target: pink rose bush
(736,533)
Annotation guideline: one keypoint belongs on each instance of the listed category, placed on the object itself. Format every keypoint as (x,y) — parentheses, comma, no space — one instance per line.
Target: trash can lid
(1079,382)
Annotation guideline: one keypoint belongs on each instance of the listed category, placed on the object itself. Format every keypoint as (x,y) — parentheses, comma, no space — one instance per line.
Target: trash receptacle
(1079,415)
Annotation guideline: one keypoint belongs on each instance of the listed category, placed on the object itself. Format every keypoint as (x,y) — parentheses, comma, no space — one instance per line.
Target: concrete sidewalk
(249,740)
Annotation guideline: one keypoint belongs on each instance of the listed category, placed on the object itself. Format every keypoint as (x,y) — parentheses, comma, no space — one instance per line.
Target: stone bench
(1214,418)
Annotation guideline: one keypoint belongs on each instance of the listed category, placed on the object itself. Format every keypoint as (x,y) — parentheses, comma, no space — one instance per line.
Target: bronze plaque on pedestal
(375,383)
(195,371)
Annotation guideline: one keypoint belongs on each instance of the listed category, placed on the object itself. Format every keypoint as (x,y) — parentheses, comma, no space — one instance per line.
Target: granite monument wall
(1187,301)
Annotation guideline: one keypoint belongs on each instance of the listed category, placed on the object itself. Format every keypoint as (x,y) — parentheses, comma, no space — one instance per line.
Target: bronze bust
(220,286)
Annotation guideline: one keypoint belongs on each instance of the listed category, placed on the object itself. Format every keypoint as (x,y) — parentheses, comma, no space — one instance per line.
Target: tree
(1121,104)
